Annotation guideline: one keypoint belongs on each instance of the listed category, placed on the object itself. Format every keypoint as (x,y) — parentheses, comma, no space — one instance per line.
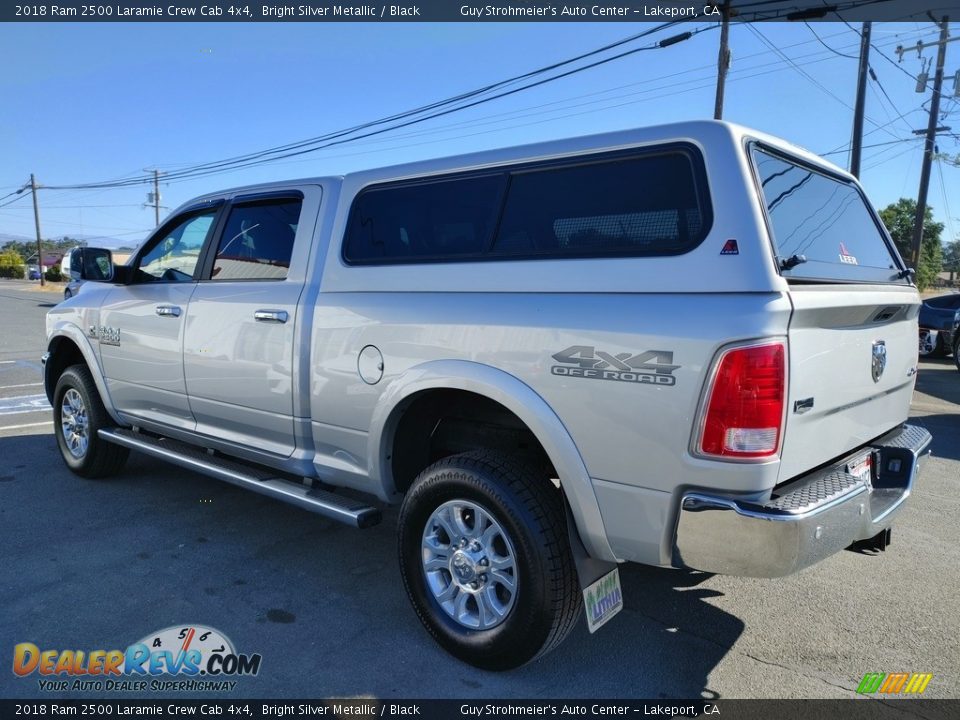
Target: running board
(252,477)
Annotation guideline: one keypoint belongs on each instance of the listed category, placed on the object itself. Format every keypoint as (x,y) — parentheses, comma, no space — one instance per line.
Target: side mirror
(94,264)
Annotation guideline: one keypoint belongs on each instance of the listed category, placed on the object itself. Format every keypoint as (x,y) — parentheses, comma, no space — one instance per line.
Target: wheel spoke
(461,524)
(501,578)
(449,593)
(435,563)
(491,610)
(445,520)
(460,607)
(481,523)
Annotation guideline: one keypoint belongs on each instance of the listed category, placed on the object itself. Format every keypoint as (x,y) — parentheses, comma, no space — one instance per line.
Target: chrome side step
(252,477)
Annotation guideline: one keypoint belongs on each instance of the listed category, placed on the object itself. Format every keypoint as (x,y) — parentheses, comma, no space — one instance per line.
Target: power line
(11,202)
(820,40)
(809,77)
(286,150)
(888,142)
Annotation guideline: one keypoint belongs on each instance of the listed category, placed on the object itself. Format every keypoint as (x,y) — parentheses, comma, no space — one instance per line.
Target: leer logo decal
(653,367)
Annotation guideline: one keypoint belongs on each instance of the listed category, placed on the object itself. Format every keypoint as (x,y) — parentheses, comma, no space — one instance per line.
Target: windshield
(822,227)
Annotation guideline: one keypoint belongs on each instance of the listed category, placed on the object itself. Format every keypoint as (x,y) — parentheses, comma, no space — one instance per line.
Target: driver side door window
(174,254)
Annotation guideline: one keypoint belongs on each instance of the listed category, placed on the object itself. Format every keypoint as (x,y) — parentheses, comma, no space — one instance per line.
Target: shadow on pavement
(322,603)
(944,430)
(940,379)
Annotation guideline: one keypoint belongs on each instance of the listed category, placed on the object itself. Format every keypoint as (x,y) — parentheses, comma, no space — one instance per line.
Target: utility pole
(723,61)
(861,100)
(928,147)
(36,220)
(154,198)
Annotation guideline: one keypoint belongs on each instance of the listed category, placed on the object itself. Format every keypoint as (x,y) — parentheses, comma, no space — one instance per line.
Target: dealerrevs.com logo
(186,658)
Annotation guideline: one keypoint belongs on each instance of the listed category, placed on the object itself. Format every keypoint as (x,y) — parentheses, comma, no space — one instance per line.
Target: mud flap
(599,579)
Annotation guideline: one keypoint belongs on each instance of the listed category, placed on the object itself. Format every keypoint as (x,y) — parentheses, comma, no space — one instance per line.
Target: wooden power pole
(156,197)
(928,147)
(36,220)
(861,100)
(723,60)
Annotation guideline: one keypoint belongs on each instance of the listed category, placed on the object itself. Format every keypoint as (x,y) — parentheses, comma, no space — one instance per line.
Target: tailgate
(852,367)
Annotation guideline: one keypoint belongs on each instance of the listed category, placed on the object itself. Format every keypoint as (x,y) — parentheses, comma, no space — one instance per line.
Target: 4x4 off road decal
(654,367)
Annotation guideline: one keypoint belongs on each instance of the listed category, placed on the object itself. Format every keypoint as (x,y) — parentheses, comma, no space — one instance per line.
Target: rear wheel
(78,414)
(485,559)
(931,343)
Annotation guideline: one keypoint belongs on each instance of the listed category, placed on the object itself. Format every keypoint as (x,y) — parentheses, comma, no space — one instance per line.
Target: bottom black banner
(368,709)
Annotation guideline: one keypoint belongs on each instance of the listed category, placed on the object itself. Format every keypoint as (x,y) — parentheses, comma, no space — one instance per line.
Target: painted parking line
(23,385)
(24,404)
(25,425)
(7,362)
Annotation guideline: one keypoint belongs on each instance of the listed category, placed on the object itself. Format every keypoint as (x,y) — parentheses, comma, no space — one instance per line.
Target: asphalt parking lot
(101,564)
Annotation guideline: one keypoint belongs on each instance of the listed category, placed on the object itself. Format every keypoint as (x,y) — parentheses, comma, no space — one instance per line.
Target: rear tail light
(744,411)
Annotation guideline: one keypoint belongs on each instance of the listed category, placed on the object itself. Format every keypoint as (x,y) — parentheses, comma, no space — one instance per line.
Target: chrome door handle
(168,311)
(277,316)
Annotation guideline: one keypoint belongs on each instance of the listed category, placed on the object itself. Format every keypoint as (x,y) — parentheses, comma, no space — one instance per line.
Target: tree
(11,264)
(951,258)
(898,217)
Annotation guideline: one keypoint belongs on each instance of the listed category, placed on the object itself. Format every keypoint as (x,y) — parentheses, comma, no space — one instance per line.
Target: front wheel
(78,414)
(485,559)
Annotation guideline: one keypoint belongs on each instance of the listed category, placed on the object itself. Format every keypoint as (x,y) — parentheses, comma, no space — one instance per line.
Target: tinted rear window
(652,203)
(825,220)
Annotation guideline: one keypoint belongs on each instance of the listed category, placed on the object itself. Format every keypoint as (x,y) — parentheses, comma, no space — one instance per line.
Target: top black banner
(473,11)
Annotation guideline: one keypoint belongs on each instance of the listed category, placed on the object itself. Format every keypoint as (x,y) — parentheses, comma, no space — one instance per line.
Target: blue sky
(92,102)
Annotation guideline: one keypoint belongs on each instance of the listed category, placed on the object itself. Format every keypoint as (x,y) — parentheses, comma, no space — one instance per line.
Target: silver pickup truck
(688,346)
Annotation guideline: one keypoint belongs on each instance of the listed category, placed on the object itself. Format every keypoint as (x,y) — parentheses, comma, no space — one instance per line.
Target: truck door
(141,324)
(240,347)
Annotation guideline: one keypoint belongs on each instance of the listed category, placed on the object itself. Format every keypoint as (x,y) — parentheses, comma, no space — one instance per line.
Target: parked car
(33,274)
(688,346)
(939,320)
(72,288)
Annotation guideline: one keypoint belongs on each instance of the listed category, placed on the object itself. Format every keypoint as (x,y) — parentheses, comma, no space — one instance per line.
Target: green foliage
(951,256)
(28,248)
(11,265)
(899,217)
(53,274)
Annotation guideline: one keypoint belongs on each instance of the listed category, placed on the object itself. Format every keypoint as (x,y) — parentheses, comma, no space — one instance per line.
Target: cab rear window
(821,225)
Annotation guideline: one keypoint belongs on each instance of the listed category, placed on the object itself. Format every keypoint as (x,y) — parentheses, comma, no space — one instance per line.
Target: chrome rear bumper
(806,520)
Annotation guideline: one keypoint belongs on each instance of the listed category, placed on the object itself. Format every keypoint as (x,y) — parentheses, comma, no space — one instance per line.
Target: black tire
(530,510)
(938,349)
(67,294)
(956,351)
(100,458)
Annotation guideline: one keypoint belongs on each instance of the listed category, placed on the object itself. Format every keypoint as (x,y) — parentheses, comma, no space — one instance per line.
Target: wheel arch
(516,397)
(68,346)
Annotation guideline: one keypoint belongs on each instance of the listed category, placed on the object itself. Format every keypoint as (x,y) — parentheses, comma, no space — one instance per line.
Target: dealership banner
(465,11)
(369,709)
